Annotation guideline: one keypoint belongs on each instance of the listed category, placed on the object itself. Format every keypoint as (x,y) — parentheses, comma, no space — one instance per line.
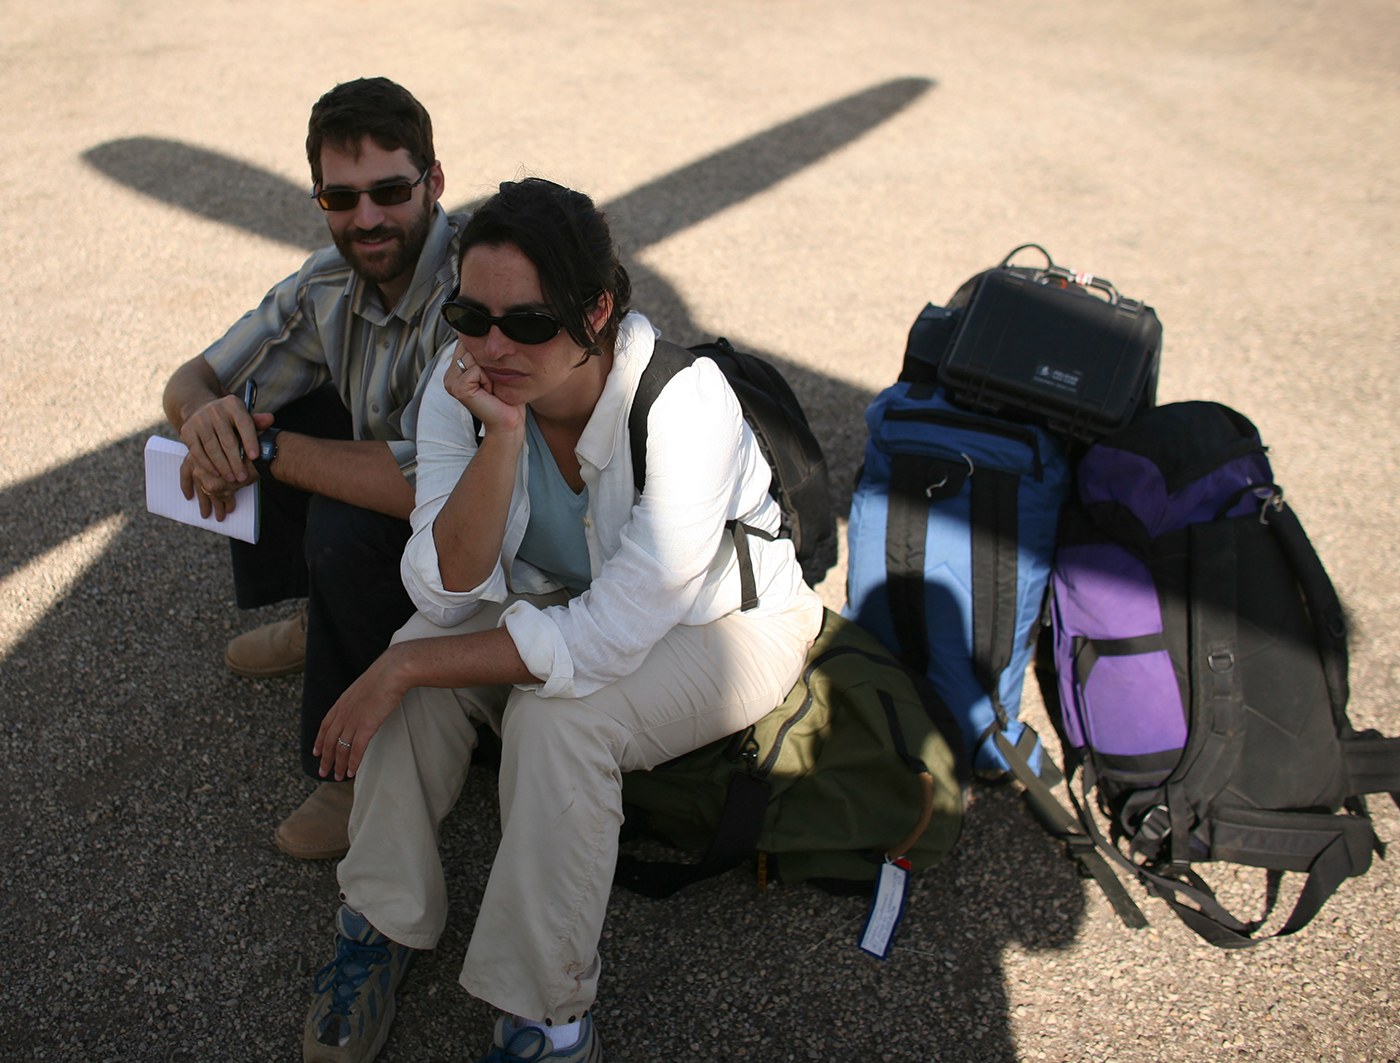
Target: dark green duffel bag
(861,762)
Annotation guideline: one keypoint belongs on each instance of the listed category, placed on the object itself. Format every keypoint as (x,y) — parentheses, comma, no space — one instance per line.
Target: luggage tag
(886,908)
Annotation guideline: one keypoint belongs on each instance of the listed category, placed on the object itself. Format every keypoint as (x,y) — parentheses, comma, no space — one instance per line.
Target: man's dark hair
(376,108)
(567,239)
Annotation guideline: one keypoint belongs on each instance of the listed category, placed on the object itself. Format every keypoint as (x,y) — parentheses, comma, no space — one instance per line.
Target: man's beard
(385,265)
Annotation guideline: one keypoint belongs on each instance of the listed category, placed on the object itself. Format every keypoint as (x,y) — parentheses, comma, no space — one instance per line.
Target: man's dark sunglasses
(383,195)
(525,326)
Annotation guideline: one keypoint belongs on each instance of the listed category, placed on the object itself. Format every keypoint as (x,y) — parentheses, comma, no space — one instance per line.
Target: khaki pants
(534,951)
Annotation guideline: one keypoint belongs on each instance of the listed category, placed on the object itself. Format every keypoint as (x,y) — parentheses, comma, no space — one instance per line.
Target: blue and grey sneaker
(531,1045)
(354,1004)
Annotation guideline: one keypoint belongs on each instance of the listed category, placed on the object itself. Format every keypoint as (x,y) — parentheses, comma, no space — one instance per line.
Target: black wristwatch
(267,450)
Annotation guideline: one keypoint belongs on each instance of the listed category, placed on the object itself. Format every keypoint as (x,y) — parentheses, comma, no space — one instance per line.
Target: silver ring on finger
(342,742)
(461,365)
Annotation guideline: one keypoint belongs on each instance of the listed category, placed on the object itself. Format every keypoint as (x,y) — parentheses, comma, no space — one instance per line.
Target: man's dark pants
(343,559)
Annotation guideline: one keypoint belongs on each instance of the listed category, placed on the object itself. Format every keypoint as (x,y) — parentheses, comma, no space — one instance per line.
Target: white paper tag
(886,909)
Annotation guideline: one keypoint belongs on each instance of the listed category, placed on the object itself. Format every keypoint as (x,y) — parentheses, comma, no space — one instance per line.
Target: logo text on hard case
(1059,379)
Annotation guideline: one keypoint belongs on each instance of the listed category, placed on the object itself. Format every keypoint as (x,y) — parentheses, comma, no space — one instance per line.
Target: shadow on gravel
(139,783)
(230,191)
(142,780)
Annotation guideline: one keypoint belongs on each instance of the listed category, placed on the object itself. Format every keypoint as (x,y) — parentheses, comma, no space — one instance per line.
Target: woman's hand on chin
(465,382)
(357,715)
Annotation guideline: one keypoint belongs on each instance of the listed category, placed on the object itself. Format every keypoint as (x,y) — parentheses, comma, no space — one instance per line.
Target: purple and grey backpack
(1200,676)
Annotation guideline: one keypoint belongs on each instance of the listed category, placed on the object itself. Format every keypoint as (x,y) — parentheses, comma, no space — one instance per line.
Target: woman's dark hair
(377,108)
(567,239)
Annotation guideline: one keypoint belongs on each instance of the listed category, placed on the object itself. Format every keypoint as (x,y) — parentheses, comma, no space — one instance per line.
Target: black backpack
(1196,669)
(801,484)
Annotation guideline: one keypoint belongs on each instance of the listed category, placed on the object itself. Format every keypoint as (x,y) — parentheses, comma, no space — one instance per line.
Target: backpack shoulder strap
(667,359)
(1061,823)
(1372,761)
(917,481)
(1215,725)
(1324,608)
(994,522)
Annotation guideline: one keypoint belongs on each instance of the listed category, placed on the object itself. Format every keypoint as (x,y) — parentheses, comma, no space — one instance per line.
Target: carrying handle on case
(1060,277)
(1049,262)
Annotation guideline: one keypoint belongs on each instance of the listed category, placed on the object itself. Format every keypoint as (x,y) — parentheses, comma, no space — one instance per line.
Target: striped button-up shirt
(325,322)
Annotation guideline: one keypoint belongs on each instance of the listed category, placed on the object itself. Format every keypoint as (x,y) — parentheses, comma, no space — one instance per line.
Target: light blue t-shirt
(554,542)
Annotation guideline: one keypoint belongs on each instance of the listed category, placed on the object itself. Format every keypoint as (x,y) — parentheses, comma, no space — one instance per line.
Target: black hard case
(1037,341)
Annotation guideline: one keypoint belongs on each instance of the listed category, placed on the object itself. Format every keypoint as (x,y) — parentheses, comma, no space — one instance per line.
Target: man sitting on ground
(337,352)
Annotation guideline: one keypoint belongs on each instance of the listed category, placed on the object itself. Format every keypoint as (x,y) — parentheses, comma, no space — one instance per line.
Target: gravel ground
(801,178)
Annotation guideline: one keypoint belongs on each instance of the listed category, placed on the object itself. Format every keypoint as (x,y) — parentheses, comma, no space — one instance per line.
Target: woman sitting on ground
(595,630)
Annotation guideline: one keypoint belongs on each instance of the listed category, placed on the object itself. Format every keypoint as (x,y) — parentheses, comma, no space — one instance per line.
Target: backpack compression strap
(994,531)
(1373,764)
(1057,819)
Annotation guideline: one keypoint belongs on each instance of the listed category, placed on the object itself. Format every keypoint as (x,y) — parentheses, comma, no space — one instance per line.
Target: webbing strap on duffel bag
(734,840)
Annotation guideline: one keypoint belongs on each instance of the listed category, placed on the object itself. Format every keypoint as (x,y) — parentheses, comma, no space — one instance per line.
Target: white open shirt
(659,561)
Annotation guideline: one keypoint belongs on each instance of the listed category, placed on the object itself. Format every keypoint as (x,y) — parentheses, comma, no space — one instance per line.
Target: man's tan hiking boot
(270,650)
(319,829)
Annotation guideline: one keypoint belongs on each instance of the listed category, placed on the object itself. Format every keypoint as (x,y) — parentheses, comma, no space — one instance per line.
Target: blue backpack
(952,535)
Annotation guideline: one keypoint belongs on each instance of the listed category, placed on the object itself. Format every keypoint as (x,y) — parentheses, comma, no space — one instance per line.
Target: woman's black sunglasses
(383,195)
(524,326)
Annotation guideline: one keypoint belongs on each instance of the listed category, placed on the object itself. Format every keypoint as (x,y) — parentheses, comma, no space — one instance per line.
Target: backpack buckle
(1155,826)
(1272,499)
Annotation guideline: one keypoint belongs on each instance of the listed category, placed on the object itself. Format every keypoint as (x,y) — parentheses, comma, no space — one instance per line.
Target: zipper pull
(748,752)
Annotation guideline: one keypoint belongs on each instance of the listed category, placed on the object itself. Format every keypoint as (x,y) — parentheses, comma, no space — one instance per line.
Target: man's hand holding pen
(220,435)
